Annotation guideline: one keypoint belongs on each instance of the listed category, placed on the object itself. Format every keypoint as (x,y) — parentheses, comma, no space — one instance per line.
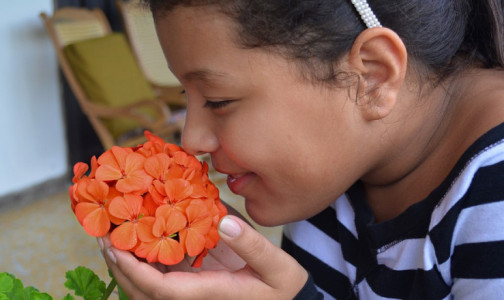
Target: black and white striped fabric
(448,246)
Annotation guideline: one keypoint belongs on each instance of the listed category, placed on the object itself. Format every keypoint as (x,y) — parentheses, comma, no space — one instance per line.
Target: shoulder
(473,193)
(467,227)
(477,178)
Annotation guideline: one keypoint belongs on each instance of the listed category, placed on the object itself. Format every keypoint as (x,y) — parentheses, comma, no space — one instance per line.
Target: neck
(424,146)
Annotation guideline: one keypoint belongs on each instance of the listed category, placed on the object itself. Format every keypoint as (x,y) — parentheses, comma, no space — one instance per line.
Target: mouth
(237,182)
(233,178)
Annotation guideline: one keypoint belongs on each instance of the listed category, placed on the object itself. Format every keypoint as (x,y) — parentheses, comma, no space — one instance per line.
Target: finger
(128,287)
(223,258)
(146,282)
(271,263)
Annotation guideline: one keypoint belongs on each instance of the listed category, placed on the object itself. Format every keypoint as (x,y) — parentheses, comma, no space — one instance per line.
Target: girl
(373,130)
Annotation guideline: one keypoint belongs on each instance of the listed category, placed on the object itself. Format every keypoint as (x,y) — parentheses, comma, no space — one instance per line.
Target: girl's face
(290,147)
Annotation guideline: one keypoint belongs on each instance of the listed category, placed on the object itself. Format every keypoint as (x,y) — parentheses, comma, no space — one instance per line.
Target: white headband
(366,13)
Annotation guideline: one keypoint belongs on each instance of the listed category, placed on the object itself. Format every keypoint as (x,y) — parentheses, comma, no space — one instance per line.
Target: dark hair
(443,36)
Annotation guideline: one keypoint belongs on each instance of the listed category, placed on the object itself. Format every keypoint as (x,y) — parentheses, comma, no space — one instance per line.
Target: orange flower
(198,261)
(157,166)
(79,170)
(125,166)
(199,221)
(91,212)
(149,205)
(172,192)
(128,211)
(159,243)
(218,211)
(156,145)
(155,200)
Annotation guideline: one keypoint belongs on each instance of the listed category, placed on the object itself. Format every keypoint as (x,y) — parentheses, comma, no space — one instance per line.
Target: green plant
(83,281)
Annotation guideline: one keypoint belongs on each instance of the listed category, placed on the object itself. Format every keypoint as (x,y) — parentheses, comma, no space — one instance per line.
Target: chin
(259,216)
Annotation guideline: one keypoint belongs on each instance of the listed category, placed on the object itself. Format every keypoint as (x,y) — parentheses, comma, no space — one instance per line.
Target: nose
(198,136)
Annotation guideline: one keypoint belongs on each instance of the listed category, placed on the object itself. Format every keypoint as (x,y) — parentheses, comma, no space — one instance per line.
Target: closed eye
(212,104)
(217,104)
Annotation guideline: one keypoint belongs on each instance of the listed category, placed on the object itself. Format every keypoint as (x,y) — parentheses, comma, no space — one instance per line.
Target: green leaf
(36,295)
(68,297)
(12,288)
(6,282)
(85,283)
(17,292)
(3,297)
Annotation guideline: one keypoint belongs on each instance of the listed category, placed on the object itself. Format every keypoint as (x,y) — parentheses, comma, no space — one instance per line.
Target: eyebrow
(203,75)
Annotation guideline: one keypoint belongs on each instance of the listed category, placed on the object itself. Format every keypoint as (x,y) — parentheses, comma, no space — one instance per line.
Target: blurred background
(44,132)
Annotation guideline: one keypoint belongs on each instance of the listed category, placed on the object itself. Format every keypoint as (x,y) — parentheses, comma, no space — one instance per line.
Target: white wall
(32,148)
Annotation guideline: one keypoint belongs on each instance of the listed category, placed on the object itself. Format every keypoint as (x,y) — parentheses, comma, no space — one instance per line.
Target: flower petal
(157,197)
(199,259)
(170,252)
(159,226)
(178,189)
(157,165)
(212,238)
(135,182)
(175,172)
(194,242)
(124,236)
(73,198)
(94,166)
(119,209)
(134,161)
(149,205)
(98,190)
(144,229)
(175,222)
(109,159)
(79,170)
(97,222)
(120,155)
(82,209)
(134,203)
(153,138)
(148,250)
(108,173)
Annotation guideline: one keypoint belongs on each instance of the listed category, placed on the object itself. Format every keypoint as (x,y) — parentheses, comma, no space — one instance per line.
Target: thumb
(271,263)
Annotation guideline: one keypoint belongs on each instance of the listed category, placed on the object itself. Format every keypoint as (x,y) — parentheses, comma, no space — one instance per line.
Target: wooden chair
(71,28)
(141,32)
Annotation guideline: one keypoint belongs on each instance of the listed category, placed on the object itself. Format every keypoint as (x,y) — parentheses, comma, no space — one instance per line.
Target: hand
(245,265)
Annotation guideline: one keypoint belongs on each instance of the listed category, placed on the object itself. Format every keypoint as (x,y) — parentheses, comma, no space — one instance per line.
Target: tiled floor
(40,241)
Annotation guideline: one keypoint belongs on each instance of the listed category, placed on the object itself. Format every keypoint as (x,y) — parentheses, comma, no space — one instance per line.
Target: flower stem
(109,290)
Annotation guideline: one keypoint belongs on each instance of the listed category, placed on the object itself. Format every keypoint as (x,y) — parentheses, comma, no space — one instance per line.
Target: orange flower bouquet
(155,200)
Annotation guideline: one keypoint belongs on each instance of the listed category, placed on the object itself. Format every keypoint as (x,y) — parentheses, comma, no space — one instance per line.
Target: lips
(233,178)
(237,182)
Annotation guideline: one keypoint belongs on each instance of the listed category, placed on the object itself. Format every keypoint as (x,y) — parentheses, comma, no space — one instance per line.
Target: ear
(380,58)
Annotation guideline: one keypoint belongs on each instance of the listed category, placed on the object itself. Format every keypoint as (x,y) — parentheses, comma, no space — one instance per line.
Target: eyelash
(214,104)
(217,104)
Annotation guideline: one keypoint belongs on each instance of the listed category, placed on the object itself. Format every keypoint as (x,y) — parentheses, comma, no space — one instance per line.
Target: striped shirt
(448,246)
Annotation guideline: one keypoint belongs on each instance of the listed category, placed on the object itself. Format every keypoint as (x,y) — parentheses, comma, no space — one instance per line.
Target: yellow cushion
(110,75)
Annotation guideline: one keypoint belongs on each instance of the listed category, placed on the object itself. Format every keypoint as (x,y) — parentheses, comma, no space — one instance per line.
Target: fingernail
(100,243)
(229,227)
(111,255)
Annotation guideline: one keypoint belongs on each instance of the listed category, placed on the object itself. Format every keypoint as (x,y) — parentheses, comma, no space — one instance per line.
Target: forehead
(203,24)
(196,34)
(201,44)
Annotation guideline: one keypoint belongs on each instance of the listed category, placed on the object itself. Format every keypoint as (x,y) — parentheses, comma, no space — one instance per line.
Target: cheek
(250,139)
(274,203)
